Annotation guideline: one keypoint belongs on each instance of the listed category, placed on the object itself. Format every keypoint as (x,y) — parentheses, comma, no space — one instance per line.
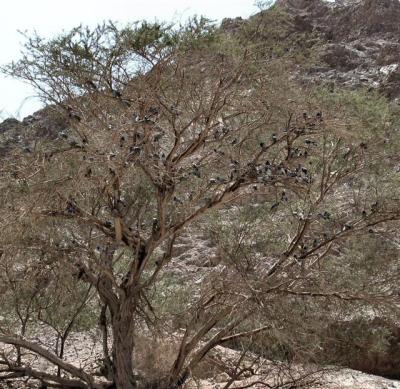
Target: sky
(50,17)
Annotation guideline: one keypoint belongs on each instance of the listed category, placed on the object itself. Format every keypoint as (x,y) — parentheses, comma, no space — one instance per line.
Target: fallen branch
(52,358)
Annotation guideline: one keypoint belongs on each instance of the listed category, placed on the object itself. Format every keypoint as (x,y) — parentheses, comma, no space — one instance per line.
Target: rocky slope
(349,43)
(362,41)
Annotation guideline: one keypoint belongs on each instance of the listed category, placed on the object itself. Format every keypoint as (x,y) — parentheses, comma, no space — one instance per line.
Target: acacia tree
(163,127)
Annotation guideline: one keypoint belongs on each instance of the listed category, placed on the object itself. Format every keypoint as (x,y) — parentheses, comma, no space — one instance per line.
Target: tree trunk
(123,331)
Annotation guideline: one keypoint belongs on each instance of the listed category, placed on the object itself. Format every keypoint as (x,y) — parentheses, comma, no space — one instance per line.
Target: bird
(326,215)
(80,273)
(155,225)
(374,207)
(310,142)
(347,227)
(157,136)
(225,130)
(217,133)
(174,110)
(196,171)
(274,206)
(71,207)
(116,93)
(88,172)
(73,115)
(274,138)
(234,174)
(135,150)
(153,111)
(252,171)
(90,84)
(177,200)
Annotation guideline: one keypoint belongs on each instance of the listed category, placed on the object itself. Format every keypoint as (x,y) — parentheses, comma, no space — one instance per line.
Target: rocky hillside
(348,43)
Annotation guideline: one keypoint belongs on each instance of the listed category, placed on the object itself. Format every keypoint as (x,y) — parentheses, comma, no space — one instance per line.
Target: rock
(9,125)
(357,38)
(369,345)
(341,57)
(391,85)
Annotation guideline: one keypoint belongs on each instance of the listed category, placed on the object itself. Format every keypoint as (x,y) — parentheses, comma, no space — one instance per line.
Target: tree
(165,126)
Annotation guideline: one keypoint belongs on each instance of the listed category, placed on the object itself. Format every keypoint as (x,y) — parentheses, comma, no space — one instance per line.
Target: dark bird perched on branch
(155,226)
(274,206)
(73,115)
(91,85)
(72,207)
(135,150)
(116,93)
(347,227)
(174,110)
(88,173)
(153,111)
(326,215)
(158,136)
(80,273)
(177,200)
(196,170)
(310,142)
(252,171)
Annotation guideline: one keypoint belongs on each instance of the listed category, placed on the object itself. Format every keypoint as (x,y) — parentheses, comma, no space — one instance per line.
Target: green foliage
(84,58)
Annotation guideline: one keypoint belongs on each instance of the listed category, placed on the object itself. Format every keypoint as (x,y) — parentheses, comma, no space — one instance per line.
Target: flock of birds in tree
(255,173)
